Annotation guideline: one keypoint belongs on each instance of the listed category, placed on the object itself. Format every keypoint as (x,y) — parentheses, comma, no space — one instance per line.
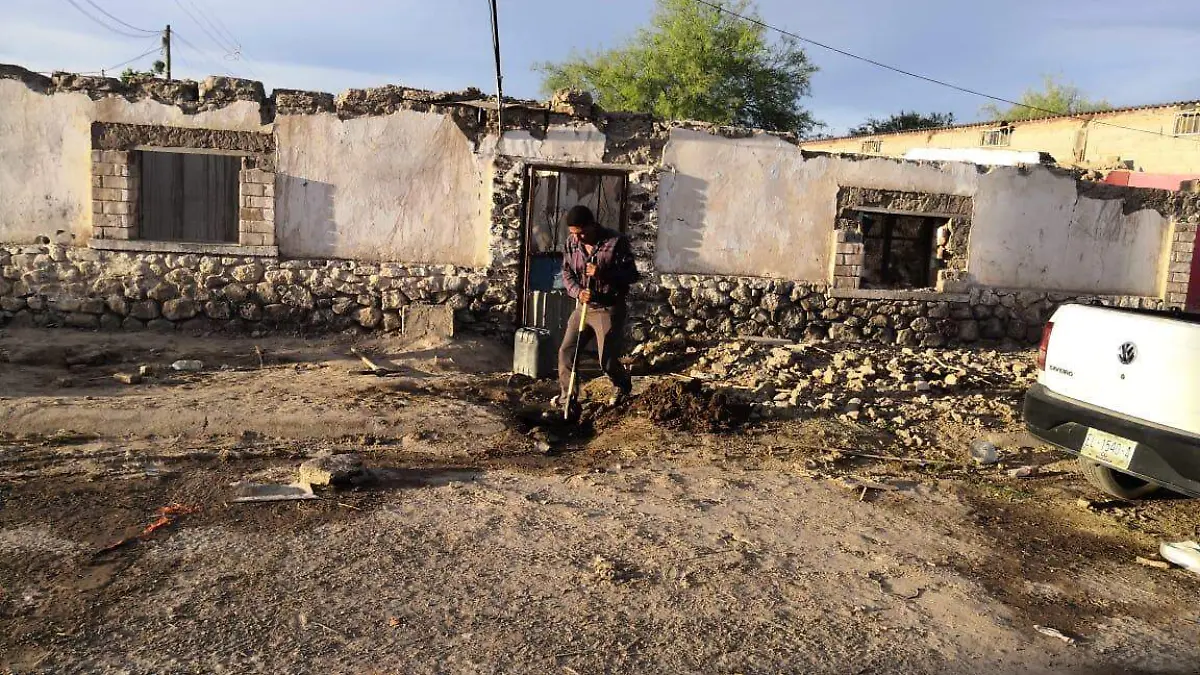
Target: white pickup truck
(1120,388)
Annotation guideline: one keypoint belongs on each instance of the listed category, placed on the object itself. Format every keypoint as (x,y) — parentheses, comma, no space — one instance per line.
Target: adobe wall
(358,205)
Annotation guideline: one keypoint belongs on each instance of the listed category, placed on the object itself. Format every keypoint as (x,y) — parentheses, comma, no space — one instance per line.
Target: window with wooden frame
(997,137)
(188,197)
(1187,123)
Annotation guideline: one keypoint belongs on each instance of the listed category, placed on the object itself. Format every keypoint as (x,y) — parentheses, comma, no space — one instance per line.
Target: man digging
(598,269)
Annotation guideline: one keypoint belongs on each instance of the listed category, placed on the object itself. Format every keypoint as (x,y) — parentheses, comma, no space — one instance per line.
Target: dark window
(898,250)
(997,137)
(189,197)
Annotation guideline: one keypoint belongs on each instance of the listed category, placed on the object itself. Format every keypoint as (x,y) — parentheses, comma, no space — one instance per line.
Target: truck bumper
(1162,456)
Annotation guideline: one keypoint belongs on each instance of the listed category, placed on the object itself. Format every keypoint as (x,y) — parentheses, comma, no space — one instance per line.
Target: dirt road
(631,548)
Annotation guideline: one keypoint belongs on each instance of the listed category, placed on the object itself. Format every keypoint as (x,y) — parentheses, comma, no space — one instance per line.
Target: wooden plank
(189,197)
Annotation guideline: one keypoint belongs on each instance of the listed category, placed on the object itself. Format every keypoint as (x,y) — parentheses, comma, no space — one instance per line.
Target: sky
(1130,53)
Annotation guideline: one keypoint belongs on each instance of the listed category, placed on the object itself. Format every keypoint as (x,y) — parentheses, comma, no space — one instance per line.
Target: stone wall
(56,285)
(722,307)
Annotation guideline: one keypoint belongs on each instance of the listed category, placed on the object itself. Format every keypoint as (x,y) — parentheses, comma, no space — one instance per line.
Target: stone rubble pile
(901,390)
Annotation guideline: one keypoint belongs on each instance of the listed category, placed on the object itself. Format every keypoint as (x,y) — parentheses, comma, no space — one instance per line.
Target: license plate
(1107,449)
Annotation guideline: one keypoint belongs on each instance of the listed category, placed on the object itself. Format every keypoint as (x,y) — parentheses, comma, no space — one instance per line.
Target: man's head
(582,224)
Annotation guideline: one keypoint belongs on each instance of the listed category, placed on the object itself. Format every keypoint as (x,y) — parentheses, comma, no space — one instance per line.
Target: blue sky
(1130,53)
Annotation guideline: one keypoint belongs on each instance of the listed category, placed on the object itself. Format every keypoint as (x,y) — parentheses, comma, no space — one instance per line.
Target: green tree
(156,69)
(1055,96)
(902,121)
(695,62)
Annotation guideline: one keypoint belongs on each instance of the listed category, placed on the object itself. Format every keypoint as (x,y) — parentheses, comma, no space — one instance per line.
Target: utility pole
(499,78)
(166,41)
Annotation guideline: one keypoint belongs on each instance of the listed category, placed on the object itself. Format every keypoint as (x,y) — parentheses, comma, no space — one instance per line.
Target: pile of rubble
(900,390)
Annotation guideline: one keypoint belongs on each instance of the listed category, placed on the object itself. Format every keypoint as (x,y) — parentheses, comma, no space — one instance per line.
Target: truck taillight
(1045,345)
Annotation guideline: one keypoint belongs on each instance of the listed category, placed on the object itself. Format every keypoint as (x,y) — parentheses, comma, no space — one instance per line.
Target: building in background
(1151,139)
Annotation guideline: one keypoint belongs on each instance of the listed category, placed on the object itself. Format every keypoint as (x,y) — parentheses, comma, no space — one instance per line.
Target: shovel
(569,399)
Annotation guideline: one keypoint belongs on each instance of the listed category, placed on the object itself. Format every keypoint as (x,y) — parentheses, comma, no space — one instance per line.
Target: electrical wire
(106,13)
(965,90)
(203,29)
(125,63)
(107,26)
(232,53)
(220,26)
(201,53)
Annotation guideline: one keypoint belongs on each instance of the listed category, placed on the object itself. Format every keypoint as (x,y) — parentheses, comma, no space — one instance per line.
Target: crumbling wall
(46,139)
(758,206)
(1041,229)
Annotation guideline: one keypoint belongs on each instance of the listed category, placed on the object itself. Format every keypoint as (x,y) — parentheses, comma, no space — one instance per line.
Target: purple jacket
(616,270)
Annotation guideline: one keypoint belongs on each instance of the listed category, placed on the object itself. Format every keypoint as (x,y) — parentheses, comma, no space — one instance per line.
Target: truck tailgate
(1141,365)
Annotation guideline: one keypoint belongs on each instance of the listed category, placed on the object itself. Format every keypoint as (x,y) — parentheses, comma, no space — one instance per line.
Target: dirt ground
(631,545)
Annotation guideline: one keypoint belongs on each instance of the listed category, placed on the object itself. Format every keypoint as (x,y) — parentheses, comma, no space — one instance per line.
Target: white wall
(1035,231)
(756,207)
(45,153)
(405,187)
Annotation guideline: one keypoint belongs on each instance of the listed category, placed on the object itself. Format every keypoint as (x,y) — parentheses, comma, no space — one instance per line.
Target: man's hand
(590,270)
(585,296)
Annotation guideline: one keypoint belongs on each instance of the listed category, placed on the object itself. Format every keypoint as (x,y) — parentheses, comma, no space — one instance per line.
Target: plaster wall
(45,152)
(406,186)
(1035,230)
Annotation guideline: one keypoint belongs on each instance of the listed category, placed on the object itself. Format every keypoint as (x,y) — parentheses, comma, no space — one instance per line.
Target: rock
(128,378)
(922,386)
(187,366)
(277,313)
(333,470)
(992,328)
(163,291)
(180,309)
(968,331)
(81,320)
(247,274)
(368,317)
(216,309)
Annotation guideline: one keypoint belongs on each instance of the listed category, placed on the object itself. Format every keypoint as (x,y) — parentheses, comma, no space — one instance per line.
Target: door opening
(552,191)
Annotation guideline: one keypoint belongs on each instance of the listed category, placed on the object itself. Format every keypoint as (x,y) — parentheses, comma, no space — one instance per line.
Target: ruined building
(212,206)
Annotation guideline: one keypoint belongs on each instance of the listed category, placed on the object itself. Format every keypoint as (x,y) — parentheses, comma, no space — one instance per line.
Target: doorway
(552,191)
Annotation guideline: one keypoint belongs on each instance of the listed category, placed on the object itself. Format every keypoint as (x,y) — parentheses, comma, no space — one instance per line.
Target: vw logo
(1127,353)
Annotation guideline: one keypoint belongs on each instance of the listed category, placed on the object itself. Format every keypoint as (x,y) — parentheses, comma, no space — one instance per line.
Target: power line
(1055,113)
(187,43)
(236,52)
(106,13)
(124,63)
(107,26)
(204,16)
(221,28)
(203,29)
(231,53)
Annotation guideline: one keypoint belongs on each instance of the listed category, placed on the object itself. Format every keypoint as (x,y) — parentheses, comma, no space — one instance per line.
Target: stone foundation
(54,285)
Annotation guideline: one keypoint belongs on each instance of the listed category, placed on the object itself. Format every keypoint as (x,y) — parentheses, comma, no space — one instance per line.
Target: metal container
(534,353)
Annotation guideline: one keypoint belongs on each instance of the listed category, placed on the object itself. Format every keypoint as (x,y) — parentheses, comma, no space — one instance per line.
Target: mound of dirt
(686,406)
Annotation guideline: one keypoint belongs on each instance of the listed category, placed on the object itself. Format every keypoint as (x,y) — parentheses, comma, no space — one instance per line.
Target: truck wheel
(1118,484)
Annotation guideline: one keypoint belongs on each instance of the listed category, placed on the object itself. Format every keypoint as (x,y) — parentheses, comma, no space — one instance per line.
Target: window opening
(899,251)
(188,197)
